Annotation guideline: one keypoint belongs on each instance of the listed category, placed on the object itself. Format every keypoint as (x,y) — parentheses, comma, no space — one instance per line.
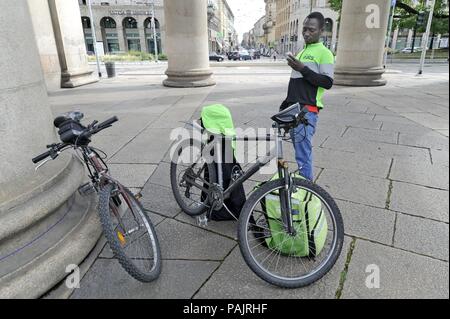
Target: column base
(359,77)
(189,79)
(44,231)
(72,79)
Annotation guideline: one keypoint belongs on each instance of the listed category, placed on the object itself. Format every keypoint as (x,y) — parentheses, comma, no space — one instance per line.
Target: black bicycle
(126,225)
(290,230)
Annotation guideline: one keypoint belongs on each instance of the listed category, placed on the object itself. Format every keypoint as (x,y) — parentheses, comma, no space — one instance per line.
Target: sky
(246,13)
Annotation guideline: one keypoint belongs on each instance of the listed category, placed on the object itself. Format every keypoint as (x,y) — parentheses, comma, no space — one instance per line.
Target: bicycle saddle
(291,116)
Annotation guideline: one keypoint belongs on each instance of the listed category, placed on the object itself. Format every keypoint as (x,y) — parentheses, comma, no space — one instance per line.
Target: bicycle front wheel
(291,260)
(130,232)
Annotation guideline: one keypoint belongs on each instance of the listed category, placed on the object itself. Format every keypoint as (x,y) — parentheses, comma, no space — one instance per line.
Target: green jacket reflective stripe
(320,60)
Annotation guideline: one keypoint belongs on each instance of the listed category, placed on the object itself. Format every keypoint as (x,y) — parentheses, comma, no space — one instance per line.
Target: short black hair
(319,17)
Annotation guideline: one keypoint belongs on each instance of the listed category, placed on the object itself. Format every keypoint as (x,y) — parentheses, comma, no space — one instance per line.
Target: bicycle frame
(283,172)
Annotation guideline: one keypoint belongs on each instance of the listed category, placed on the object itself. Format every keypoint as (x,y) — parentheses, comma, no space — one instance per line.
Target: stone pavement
(381,152)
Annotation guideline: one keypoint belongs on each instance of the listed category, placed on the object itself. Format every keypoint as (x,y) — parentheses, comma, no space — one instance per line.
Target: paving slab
(225,228)
(132,175)
(179,279)
(236,280)
(405,128)
(430,140)
(420,201)
(352,162)
(422,236)
(421,173)
(368,222)
(371,135)
(397,119)
(440,157)
(149,147)
(403,275)
(428,120)
(183,241)
(161,176)
(377,149)
(355,187)
(159,199)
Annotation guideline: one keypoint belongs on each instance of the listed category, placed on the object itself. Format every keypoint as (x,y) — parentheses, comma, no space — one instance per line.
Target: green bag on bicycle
(309,221)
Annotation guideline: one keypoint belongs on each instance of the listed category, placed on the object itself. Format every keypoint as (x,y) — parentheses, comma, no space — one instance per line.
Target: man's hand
(294,63)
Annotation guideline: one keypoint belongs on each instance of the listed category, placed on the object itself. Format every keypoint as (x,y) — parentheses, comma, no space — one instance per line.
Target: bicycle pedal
(138,196)
(86,189)
(202,221)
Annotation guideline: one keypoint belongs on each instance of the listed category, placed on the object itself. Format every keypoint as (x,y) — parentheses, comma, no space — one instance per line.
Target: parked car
(216,57)
(234,55)
(244,55)
(256,54)
(408,50)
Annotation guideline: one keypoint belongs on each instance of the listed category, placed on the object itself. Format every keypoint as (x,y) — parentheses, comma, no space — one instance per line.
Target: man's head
(313,27)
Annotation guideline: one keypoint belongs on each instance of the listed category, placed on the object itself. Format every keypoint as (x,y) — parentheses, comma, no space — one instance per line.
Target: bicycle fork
(285,198)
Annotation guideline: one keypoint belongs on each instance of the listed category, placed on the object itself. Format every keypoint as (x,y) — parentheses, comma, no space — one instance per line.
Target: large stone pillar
(361,42)
(44,225)
(187,43)
(45,39)
(69,37)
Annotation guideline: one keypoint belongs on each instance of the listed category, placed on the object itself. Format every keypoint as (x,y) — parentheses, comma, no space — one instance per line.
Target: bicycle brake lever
(51,158)
(43,163)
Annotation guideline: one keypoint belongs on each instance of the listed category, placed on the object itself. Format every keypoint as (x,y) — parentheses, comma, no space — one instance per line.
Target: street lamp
(94,39)
(153,26)
(427,35)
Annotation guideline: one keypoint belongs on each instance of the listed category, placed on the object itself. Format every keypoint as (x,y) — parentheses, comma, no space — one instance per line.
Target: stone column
(44,225)
(394,39)
(69,37)
(361,43)
(410,38)
(121,36)
(187,44)
(45,39)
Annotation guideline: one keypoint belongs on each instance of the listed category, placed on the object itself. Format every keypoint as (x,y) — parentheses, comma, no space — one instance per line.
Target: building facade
(124,25)
(222,36)
(259,34)
(269,25)
(290,16)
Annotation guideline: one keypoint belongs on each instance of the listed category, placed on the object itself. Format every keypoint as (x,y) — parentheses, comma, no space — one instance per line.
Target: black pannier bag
(217,120)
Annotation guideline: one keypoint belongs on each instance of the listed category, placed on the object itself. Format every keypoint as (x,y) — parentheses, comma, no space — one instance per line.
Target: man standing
(312,74)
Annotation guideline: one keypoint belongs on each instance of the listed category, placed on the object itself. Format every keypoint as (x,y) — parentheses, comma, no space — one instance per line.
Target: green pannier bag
(309,221)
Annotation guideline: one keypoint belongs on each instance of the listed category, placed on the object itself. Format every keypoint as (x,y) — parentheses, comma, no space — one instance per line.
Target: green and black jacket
(307,87)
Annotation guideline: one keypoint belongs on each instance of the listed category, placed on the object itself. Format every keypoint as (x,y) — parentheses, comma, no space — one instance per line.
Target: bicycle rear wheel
(189,171)
(130,232)
(280,258)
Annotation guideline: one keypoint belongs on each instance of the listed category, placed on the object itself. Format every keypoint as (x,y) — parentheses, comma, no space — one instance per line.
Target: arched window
(86,22)
(328,25)
(149,35)
(130,23)
(148,23)
(108,23)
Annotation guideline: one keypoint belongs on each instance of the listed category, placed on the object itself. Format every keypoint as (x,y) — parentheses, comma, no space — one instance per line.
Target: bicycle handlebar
(41,157)
(108,122)
(53,152)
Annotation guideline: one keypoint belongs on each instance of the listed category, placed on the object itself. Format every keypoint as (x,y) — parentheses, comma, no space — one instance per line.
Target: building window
(86,22)
(148,24)
(108,23)
(130,23)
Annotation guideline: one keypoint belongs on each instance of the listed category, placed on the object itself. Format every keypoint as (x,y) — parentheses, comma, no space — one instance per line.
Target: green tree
(407,19)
